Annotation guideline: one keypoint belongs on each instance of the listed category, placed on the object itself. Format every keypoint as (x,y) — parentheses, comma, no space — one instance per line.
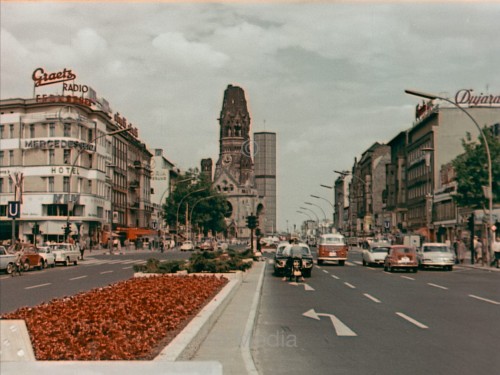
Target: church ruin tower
(234,171)
(235,152)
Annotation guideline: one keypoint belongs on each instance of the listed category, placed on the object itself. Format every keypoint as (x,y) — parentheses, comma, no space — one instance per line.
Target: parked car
(31,258)
(332,248)
(49,259)
(65,253)
(376,254)
(401,257)
(7,260)
(187,246)
(280,259)
(435,254)
(208,245)
(301,249)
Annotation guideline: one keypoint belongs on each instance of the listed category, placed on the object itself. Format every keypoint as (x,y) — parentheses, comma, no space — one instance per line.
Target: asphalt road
(96,270)
(361,320)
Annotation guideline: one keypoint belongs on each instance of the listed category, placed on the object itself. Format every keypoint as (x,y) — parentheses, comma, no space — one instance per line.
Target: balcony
(134,184)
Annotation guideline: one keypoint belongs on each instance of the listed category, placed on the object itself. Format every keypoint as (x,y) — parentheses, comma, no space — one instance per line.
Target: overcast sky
(328,78)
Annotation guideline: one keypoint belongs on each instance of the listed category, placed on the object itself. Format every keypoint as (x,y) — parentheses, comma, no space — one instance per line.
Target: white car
(375,254)
(65,253)
(435,254)
(49,259)
(187,246)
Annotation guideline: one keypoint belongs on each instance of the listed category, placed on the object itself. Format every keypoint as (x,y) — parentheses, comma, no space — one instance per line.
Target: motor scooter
(294,269)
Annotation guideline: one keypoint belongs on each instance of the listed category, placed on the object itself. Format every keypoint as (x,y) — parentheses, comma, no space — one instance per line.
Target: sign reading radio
(59,143)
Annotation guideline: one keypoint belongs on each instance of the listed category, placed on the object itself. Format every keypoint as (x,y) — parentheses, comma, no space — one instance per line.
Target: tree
(471,169)
(209,206)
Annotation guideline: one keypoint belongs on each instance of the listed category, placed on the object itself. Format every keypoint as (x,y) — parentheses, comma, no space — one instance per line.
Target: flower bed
(129,320)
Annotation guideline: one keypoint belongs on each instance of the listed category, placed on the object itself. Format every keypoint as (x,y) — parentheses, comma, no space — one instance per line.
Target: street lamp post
(179,207)
(486,147)
(324,214)
(71,206)
(190,219)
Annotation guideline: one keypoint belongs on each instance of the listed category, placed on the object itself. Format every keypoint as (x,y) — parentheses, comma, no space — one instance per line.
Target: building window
(11,186)
(1,185)
(57,210)
(32,131)
(67,130)
(11,131)
(51,184)
(52,130)
(52,154)
(1,158)
(66,156)
(66,184)
(1,131)
(11,157)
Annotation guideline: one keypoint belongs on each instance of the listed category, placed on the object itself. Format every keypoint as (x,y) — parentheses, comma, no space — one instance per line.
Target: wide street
(362,320)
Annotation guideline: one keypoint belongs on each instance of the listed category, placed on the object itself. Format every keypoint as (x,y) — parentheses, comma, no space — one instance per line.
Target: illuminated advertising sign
(467,97)
(42,78)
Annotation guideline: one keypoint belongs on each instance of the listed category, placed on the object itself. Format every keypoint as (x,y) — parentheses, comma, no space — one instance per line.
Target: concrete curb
(185,344)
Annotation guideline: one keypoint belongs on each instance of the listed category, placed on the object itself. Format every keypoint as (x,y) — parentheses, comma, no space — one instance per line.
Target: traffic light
(252,222)
(67,230)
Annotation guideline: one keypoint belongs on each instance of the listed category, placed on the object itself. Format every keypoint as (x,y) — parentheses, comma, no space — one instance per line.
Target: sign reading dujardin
(466,96)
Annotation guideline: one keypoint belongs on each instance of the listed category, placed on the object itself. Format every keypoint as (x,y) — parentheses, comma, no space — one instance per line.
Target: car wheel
(307,273)
(450,268)
(10,268)
(66,262)
(415,270)
(320,262)
(75,262)
(341,262)
(42,265)
(26,266)
(364,263)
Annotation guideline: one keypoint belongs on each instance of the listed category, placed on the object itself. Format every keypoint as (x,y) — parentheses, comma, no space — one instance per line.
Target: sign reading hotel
(42,78)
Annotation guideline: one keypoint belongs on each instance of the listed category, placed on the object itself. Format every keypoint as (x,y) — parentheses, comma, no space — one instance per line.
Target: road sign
(14,210)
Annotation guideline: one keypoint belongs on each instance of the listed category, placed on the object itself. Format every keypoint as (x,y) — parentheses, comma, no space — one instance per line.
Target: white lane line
(79,277)
(350,285)
(336,277)
(408,278)
(372,298)
(484,299)
(102,273)
(411,320)
(37,286)
(438,286)
(126,268)
(350,264)
(325,271)
(318,267)
(358,262)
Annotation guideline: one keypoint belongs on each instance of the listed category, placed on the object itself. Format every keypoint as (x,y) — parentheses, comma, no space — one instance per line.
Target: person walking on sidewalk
(461,250)
(495,246)
(478,249)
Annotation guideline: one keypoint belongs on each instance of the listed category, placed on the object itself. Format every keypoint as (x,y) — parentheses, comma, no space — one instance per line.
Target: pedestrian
(162,246)
(82,249)
(461,250)
(495,247)
(478,250)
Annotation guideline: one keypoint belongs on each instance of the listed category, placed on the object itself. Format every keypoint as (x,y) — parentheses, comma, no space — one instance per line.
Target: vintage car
(303,251)
(49,259)
(401,257)
(434,254)
(332,248)
(187,246)
(375,254)
(32,259)
(208,245)
(65,253)
(280,259)
(7,260)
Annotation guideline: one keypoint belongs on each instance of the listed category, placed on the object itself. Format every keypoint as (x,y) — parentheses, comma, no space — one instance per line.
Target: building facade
(72,170)
(234,171)
(265,177)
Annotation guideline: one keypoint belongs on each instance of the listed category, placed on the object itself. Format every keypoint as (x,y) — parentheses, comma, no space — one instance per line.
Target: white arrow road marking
(411,320)
(484,299)
(307,287)
(340,328)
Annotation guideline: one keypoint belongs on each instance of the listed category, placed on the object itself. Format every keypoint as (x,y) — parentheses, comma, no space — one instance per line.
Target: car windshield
(405,250)
(379,250)
(332,241)
(299,250)
(439,249)
(279,250)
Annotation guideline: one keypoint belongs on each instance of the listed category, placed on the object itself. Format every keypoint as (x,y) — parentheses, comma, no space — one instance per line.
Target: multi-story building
(265,177)
(75,159)
(163,174)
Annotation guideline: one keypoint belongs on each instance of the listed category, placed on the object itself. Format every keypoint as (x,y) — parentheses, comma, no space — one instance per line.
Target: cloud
(175,47)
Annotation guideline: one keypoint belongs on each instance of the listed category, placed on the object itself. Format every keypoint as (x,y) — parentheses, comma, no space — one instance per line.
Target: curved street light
(486,147)
(179,207)
(312,204)
(71,174)
(190,218)
(305,213)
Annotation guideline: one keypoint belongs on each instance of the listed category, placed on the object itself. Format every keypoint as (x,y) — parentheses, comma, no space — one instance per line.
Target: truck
(7,260)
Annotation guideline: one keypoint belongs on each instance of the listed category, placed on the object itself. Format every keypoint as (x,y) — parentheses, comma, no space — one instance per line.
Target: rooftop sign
(41,78)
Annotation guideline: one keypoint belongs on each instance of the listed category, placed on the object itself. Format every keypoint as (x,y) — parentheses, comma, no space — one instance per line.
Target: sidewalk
(229,340)
(477,266)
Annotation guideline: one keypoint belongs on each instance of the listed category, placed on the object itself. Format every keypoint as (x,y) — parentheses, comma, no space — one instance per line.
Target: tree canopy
(471,169)
(193,195)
